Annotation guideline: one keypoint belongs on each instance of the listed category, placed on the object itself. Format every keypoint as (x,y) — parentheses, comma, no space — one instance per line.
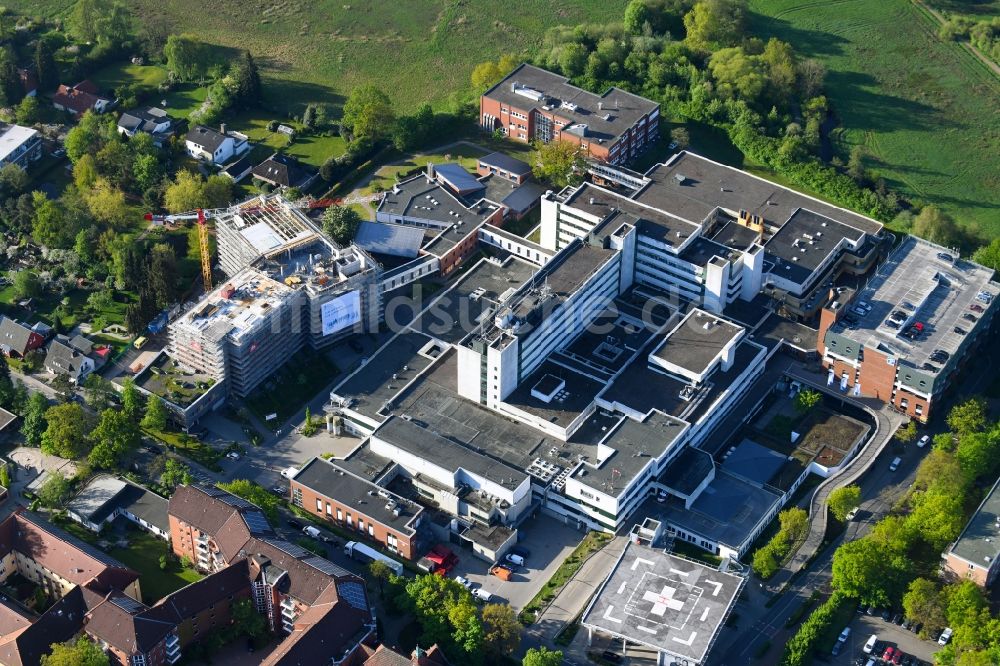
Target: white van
(894,465)
(870,644)
(515,559)
(309,530)
(482,595)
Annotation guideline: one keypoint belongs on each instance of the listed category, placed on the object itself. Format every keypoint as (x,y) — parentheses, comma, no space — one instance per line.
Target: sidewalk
(572,600)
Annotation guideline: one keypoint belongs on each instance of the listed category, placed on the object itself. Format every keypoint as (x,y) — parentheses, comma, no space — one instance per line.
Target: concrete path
(572,600)
(887,422)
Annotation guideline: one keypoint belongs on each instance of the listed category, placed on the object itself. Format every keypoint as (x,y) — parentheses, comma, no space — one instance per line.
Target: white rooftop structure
(12,138)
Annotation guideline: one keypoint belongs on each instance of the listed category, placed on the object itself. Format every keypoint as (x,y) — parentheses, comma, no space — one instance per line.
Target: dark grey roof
(697,341)
(653,222)
(421,199)
(62,358)
(239,168)
(753,461)
(144,119)
(606,116)
(979,542)
(393,239)
(505,162)
(206,137)
(14,335)
(805,242)
(686,472)
(458,179)
(337,483)
(283,170)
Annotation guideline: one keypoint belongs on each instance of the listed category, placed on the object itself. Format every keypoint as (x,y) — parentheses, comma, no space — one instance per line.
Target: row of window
(341,517)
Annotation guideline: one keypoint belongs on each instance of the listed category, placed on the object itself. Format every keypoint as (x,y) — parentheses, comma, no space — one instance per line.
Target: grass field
(312,150)
(417,50)
(143,555)
(924,109)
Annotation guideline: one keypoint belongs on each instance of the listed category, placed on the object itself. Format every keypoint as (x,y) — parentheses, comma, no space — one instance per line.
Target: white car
(232,455)
(464,582)
(853,512)
(945,636)
(923,441)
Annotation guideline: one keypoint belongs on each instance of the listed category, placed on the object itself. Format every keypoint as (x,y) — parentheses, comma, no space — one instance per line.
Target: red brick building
(340,496)
(532,104)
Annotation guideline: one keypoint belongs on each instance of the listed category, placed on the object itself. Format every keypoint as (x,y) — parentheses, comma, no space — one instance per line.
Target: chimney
(430,171)
(222,129)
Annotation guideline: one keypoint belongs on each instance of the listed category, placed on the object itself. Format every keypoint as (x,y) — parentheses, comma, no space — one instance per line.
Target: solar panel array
(326,566)
(128,604)
(256,522)
(228,498)
(298,552)
(353,593)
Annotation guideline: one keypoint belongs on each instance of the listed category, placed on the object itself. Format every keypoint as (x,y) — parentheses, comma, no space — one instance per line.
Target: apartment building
(974,554)
(904,336)
(19,145)
(532,104)
(339,495)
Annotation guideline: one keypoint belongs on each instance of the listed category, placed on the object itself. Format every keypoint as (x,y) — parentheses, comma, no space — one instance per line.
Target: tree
(54,491)
(147,171)
(115,436)
(246,620)
(26,285)
(636,16)
(341,223)
(33,424)
(844,500)
(247,81)
(968,417)
(217,192)
(85,172)
(175,473)
(186,193)
(381,572)
(162,274)
(806,400)
(27,111)
(46,69)
(487,74)
(99,391)
(11,90)
(106,203)
(561,163)
(989,255)
(89,135)
(865,570)
(155,417)
(856,164)
(446,612)
(368,113)
(67,430)
(501,630)
(187,56)
(83,652)
(13,180)
(713,23)
(736,74)
(936,226)
(907,433)
(131,399)
(250,491)
(542,656)
(923,603)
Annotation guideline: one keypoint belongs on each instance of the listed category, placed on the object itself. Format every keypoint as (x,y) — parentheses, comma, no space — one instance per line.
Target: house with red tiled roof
(77,100)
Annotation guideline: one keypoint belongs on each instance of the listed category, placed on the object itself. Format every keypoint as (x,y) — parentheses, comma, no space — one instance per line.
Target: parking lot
(888,634)
(550,542)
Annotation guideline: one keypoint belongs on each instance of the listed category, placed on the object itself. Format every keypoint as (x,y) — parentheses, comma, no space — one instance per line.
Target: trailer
(363,553)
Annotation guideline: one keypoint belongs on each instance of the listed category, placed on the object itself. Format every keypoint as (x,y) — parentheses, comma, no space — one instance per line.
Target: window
(340,516)
(319,505)
(903,403)
(371,529)
(350,521)
(328,509)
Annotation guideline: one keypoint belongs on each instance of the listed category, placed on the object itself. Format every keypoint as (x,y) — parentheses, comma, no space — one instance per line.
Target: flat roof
(696,342)
(428,200)
(13,137)
(701,250)
(657,223)
(735,235)
(331,479)
(104,494)
(458,179)
(395,239)
(666,602)
(577,394)
(941,292)
(776,328)
(709,185)
(979,542)
(727,511)
(805,241)
(606,116)
(452,314)
(427,444)
(686,472)
(95,495)
(753,461)
(505,162)
(254,296)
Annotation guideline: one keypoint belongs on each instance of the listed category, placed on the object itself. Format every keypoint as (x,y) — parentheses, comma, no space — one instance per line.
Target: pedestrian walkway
(573,599)
(886,421)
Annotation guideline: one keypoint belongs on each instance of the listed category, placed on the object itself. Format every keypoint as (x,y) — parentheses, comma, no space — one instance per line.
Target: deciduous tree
(83,652)
(542,656)
(368,113)
(967,417)
(501,630)
(155,417)
(54,491)
(341,223)
(923,603)
(175,473)
(844,500)
(131,399)
(712,23)
(115,436)
(936,226)
(186,193)
(26,284)
(806,400)
(561,163)
(68,426)
(27,112)
(33,424)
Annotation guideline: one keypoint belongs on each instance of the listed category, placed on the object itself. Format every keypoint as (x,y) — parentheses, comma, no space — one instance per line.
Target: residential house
(106,497)
(148,119)
(284,171)
(19,145)
(215,146)
(386,656)
(239,169)
(78,99)
(65,358)
(16,339)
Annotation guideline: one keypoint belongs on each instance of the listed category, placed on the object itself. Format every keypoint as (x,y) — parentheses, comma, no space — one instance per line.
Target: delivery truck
(363,553)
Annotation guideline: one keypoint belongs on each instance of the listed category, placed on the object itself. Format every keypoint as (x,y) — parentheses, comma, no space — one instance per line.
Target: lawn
(313,150)
(465,154)
(138,76)
(143,555)
(920,107)
(418,50)
(295,384)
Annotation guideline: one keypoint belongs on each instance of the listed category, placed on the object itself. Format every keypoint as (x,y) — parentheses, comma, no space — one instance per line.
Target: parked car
(888,654)
(232,455)
(923,441)
(960,330)
(905,624)
(464,582)
(870,644)
(945,636)
(852,513)
(893,466)
(897,618)
(836,648)
(514,559)
(916,627)
(278,489)
(969,317)
(975,307)
(886,613)
(294,524)
(482,595)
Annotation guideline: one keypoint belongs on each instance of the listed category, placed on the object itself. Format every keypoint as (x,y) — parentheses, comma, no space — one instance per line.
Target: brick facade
(404,545)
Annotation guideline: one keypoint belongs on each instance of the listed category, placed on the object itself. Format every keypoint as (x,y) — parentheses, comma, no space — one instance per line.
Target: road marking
(638,560)
(687,641)
(647,630)
(607,615)
(680,573)
(704,616)
(621,588)
(718,587)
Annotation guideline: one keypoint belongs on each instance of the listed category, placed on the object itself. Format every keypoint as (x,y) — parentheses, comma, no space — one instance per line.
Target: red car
(896,657)
(976,308)
(888,654)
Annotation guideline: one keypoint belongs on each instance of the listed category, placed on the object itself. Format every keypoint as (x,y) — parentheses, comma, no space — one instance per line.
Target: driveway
(550,543)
